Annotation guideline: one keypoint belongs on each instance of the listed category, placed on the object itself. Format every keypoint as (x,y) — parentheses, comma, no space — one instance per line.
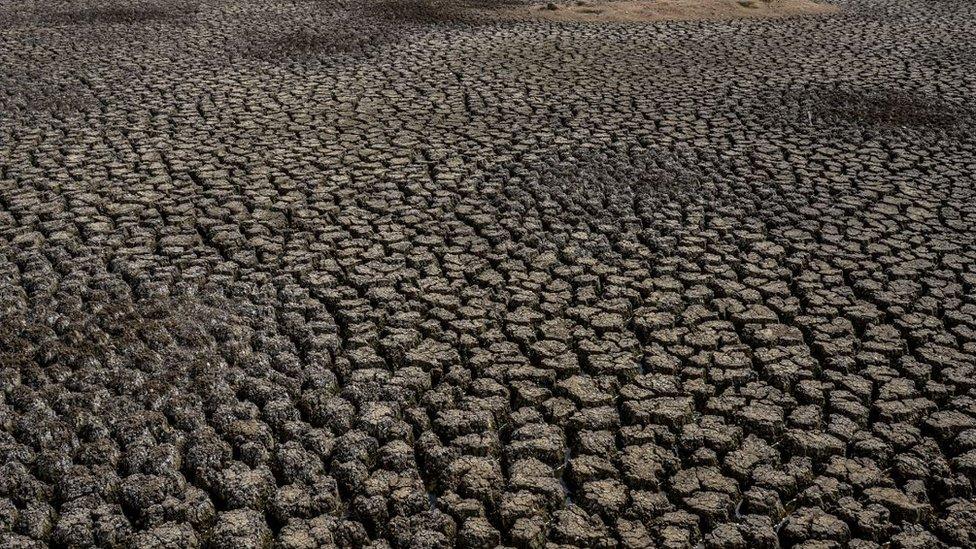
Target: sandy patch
(665,10)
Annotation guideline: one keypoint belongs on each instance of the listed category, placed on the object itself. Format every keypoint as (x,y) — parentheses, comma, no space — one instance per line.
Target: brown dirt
(601,11)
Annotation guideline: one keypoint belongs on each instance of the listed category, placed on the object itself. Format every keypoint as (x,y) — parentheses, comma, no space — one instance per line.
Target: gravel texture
(303,274)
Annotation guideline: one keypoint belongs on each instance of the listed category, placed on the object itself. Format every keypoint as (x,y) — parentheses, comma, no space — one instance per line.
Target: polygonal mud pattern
(470,283)
(882,108)
(96,12)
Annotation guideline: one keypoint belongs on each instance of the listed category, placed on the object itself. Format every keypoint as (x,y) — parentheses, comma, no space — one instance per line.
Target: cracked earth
(302,274)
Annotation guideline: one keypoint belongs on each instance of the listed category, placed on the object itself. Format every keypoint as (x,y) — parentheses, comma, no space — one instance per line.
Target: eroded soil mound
(596,11)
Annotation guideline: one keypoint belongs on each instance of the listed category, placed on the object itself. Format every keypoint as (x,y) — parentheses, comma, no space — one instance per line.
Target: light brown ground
(666,10)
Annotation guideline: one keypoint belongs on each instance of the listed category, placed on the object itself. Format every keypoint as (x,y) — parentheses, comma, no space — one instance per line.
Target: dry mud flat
(309,274)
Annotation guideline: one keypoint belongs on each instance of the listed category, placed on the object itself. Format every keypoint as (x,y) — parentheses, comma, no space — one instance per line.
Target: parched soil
(410,274)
